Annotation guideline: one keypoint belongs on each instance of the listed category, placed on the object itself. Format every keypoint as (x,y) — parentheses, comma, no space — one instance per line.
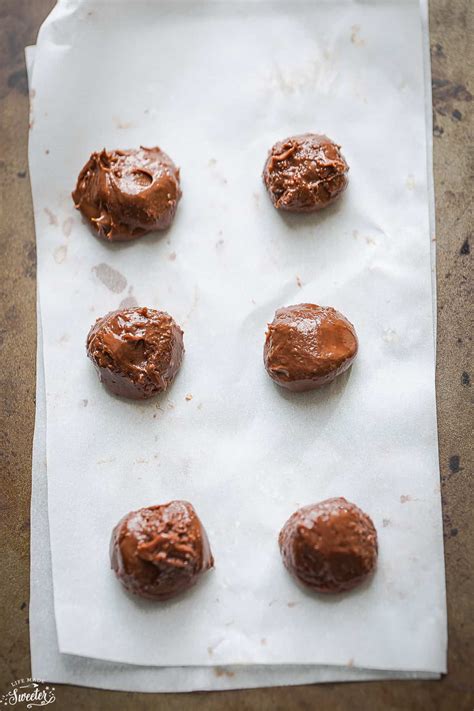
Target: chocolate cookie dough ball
(307,346)
(160,551)
(330,546)
(125,194)
(305,173)
(136,352)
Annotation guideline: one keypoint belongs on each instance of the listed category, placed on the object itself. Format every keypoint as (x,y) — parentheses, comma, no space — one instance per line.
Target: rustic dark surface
(452,30)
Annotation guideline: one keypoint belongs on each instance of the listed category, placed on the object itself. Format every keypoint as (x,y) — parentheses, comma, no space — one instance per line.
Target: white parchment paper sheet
(249,455)
(50,665)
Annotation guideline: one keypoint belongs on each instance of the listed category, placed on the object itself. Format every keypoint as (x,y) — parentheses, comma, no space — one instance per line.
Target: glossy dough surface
(330,546)
(305,173)
(160,551)
(136,352)
(307,346)
(125,194)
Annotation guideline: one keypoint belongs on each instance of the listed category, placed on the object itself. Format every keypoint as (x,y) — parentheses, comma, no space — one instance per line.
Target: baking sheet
(382,265)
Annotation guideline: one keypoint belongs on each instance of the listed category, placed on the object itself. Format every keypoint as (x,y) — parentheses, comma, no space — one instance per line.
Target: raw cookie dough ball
(305,173)
(330,546)
(307,346)
(136,352)
(125,194)
(160,551)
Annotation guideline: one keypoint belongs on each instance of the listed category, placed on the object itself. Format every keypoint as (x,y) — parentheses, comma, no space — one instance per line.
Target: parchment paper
(262,452)
(47,662)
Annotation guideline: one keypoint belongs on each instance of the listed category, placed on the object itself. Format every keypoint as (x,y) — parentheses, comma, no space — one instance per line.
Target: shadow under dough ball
(307,346)
(136,352)
(160,551)
(330,546)
(125,194)
(305,173)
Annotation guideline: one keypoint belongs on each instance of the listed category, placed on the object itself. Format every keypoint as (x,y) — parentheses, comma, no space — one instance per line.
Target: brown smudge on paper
(60,254)
(368,238)
(220,241)
(404,498)
(129,302)
(67,226)
(110,277)
(315,72)
(53,220)
(356,39)
(188,397)
(221,671)
(122,125)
